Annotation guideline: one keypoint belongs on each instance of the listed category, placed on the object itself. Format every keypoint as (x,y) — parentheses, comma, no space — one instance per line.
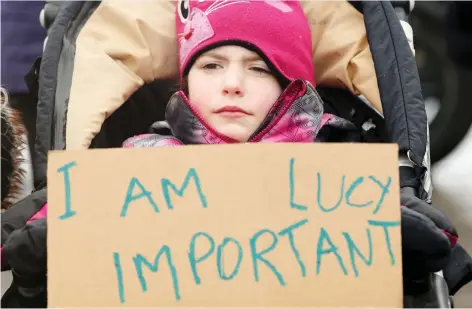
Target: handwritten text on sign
(244,225)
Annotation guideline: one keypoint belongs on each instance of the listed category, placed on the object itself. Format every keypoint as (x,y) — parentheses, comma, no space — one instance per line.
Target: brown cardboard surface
(247,231)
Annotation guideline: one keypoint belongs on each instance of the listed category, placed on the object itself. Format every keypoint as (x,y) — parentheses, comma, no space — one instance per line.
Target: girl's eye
(211,66)
(260,70)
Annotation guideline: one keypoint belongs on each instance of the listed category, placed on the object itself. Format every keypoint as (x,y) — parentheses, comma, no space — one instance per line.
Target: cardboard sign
(252,225)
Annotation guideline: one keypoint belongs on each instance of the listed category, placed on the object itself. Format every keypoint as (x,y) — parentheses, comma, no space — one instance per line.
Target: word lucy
(324,248)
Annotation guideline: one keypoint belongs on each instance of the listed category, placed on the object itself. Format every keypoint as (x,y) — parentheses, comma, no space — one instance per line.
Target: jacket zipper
(200,118)
(277,118)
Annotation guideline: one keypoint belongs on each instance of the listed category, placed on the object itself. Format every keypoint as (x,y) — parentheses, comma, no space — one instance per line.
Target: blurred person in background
(459,32)
(22,38)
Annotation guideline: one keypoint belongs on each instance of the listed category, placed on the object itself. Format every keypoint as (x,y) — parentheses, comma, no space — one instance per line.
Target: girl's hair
(184,85)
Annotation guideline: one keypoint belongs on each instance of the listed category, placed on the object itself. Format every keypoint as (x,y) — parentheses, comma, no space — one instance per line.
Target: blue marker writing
(119,276)
(130,197)
(289,231)
(384,191)
(385,225)
(351,189)
(191,175)
(319,194)
(220,258)
(353,250)
(258,256)
(291,178)
(191,255)
(140,261)
(68,211)
(324,237)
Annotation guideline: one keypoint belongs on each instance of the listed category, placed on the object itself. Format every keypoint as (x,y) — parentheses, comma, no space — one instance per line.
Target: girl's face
(233,90)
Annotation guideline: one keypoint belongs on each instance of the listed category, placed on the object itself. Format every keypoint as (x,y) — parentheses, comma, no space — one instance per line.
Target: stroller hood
(99,54)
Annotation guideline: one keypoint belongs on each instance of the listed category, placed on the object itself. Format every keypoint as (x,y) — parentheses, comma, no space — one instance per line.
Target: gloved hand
(25,251)
(427,236)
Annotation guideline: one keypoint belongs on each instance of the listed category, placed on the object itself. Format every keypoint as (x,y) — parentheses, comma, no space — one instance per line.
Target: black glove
(25,251)
(427,237)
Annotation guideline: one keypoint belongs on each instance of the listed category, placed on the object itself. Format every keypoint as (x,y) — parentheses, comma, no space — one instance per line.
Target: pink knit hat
(277,29)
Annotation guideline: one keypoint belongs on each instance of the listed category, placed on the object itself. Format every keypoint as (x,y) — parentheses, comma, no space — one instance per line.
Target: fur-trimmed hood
(15,155)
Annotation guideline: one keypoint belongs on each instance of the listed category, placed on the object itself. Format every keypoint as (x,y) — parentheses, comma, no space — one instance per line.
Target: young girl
(247,75)
(244,77)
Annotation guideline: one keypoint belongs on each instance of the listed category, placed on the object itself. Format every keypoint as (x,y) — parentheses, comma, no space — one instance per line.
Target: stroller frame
(437,297)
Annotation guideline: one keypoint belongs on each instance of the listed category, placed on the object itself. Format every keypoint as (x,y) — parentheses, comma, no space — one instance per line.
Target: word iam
(136,191)
(255,256)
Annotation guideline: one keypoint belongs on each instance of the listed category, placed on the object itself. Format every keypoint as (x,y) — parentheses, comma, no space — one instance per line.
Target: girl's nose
(233,84)
(233,91)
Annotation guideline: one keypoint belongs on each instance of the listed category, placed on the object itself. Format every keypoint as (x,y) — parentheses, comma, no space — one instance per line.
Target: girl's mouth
(232,112)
